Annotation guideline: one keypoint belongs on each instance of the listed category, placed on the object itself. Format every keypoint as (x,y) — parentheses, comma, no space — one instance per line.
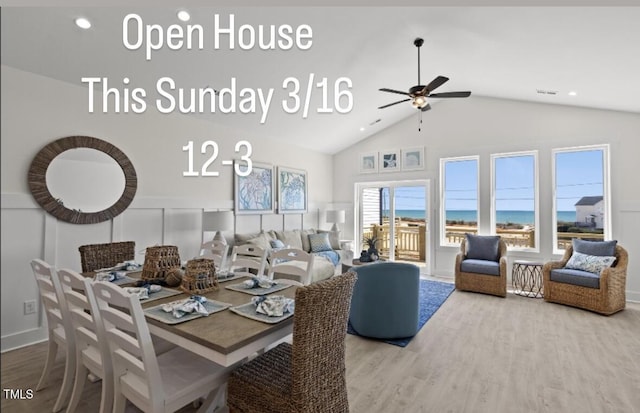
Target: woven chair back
(319,334)
(97,256)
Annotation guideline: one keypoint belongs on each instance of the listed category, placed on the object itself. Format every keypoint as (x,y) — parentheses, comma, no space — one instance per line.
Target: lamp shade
(336,216)
(217,220)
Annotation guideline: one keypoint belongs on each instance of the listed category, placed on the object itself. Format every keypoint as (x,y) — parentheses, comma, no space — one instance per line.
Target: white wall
(167,208)
(482,126)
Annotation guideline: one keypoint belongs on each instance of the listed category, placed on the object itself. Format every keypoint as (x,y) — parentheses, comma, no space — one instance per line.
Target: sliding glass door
(396,213)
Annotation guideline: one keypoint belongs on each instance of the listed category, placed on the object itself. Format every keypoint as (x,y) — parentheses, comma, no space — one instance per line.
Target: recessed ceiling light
(361,128)
(184,15)
(573,93)
(83,23)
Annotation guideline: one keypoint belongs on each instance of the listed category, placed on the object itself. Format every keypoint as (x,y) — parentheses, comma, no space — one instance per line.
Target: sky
(578,174)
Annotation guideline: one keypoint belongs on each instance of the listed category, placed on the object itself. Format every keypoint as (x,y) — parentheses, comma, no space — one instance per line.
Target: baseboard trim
(23,339)
(633,297)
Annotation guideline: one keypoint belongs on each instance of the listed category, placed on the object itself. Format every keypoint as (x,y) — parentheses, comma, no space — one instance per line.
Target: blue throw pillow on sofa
(597,248)
(276,243)
(482,247)
(320,242)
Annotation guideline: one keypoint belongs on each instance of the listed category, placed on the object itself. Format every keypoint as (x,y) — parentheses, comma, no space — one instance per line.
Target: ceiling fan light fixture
(419,102)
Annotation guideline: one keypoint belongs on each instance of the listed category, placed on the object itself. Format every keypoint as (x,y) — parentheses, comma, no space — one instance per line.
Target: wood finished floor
(478,353)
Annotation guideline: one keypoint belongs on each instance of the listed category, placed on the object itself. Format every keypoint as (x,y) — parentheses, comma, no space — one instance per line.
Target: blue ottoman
(386,300)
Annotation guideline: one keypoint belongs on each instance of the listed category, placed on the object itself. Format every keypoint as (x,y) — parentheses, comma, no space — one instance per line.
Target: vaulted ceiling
(532,54)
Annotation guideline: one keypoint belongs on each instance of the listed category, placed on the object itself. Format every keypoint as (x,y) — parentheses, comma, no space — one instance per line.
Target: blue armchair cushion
(575,277)
(480,267)
(482,247)
(598,248)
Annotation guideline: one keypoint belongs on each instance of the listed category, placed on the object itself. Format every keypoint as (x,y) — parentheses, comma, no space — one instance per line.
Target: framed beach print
(254,193)
(389,161)
(413,159)
(292,191)
(368,162)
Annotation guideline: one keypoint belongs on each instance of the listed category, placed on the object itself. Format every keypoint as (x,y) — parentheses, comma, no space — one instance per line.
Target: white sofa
(323,266)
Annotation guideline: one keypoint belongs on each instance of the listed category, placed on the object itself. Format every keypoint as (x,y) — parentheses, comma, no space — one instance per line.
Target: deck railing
(411,238)
(519,238)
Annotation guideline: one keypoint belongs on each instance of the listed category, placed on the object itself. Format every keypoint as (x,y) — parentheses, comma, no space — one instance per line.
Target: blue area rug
(432,295)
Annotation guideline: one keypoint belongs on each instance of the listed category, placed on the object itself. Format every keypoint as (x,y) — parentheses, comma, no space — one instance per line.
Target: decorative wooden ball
(174,277)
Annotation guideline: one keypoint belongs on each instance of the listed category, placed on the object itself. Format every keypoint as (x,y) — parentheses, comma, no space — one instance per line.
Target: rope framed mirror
(55,205)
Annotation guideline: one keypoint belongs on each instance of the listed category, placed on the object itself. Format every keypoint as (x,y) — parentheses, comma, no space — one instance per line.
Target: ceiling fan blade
(451,95)
(426,107)
(394,103)
(435,83)
(384,89)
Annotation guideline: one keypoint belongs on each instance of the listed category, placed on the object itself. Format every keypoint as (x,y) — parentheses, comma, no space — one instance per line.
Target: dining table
(223,337)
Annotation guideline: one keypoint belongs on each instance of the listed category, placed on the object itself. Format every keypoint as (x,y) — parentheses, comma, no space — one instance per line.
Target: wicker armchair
(97,256)
(308,376)
(478,282)
(609,298)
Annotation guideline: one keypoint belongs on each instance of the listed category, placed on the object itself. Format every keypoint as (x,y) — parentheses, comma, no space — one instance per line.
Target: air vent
(546,92)
(374,122)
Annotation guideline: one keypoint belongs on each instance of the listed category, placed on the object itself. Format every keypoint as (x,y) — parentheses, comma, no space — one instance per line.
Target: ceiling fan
(420,93)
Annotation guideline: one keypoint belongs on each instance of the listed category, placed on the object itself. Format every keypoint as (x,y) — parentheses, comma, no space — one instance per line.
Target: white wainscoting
(28,232)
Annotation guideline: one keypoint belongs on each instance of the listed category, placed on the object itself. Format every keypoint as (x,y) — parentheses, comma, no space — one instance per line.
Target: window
(514,194)
(581,195)
(458,198)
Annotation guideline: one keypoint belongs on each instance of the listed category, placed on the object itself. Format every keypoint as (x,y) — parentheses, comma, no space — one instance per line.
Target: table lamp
(218,221)
(335,216)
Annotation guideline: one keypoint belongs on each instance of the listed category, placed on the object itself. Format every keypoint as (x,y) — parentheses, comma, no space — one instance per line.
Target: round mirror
(82,180)
(85,179)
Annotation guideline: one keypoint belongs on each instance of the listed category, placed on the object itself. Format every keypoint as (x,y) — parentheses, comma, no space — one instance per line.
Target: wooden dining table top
(224,331)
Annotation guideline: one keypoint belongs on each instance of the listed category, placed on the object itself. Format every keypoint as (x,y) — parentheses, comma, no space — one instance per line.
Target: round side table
(526,277)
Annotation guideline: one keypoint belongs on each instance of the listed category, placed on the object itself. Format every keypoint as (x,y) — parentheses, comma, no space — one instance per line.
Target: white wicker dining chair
(92,351)
(217,251)
(291,262)
(59,326)
(247,257)
(154,384)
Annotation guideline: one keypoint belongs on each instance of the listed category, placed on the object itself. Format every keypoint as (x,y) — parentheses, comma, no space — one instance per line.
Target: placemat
(225,276)
(258,290)
(164,293)
(124,280)
(249,310)
(157,313)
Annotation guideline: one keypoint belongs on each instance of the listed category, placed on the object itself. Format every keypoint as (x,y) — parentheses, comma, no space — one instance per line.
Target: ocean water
(515,217)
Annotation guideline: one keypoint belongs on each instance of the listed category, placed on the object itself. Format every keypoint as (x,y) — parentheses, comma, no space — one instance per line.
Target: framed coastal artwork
(389,161)
(412,159)
(368,162)
(292,190)
(254,193)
